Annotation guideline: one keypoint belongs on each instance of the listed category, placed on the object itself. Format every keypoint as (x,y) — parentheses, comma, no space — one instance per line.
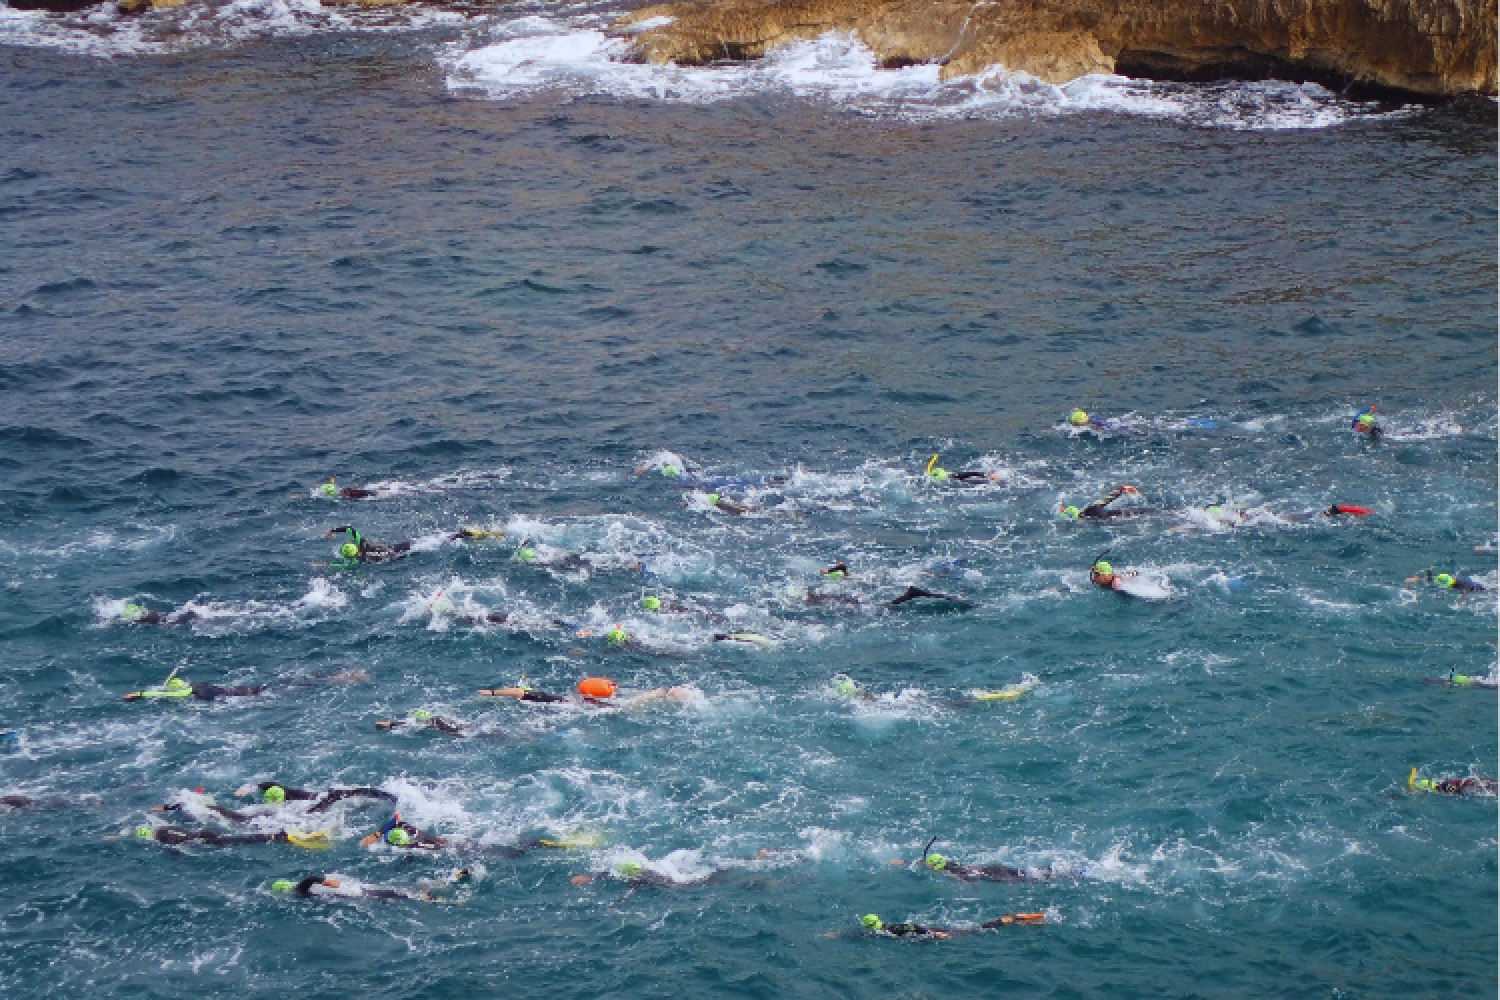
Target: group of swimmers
(356,549)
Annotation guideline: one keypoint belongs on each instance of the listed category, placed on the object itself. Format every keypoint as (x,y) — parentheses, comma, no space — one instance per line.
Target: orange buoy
(596,687)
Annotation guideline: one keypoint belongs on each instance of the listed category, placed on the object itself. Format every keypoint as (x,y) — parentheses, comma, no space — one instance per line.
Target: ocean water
(479,264)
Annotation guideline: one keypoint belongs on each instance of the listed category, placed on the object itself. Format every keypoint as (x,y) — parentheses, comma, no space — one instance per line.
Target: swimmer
(361,550)
(331,489)
(1458,583)
(325,886)
(174,836)
(557,559)
(1451,786)
(725,505)
(1102,574)
(872,923)
(1365,424)
(938,474)
(1081,419)
(838,571)
(398,833)
(177,687)
(973,873)
(423,719)
(1097,510)
(275,793)
(657,606)
(134,614)
(595,692)
(1456,679)
(906,597)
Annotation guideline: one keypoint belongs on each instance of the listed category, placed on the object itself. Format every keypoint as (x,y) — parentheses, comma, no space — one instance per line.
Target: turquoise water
(232,271)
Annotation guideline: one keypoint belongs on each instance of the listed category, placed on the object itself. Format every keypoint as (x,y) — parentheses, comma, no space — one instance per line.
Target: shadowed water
(227,274)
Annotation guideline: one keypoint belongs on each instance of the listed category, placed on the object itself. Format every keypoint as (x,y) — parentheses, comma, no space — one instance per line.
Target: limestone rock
(1430,47)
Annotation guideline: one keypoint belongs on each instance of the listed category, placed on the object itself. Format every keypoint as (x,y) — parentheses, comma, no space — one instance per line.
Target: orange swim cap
(596,687)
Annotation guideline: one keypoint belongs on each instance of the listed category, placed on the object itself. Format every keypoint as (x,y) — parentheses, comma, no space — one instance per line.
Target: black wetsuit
(1098,510)
(1466,586)
(305,888)
(542,697)
(1465,786)
(917,930)
(208,692)
(174,835)
(325,799)
(988,873)
(419,841)
(165,618)
(910,594)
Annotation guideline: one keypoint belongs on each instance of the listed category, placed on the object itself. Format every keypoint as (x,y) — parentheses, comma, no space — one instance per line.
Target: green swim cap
(349,550)
(1214,511)
(1070,513)
(1103,568)
(936,861)
(145,832)
(1422,784)
(871,922)
(1462,680)
(835,574)
(421,715)
(283,885)
(617,636)
(1078,418)
(526,555)
(651,603)
(713,499)
(176,684)
(671,471)
(328,489)
(847,689)
(274,794)
(398,837)
(132,612)
(1444,580)
(629,869)
(1366,418)
(940,474)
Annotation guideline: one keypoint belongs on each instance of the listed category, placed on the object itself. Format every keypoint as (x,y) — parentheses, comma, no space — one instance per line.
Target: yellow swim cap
(1078,418)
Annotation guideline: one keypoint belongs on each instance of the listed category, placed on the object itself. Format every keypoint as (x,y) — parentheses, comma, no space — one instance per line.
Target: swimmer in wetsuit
(1365,424)
(172,836)
(177,687)
(1097,511)
(361,550)
(275,793)
(1451,582)
(938,474)
(134,614)
(423,719)
(872,923)
(974,873)
(332,886)
(907,596)
(1456,679)
(1452,786)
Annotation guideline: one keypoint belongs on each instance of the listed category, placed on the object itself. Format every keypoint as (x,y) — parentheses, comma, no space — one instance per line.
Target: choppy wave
(542,54)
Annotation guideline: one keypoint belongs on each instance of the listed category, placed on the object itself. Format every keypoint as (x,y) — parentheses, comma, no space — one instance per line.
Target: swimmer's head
(936,861)
(442,606)
(871,922)
(132,612)
(1078,418)
(1070,512)
(176,684)
(1103,568)
(145,832)
(713,499)
(421,715)
(617,636)
(651,603)
(1365,419)
(526,555)
(1215,511)
(1422,784)
(938,473)
(671,471)
(398,837)
(846,688)
(834,574)
(628,869)
(329,489)
(1444,580)
(275,794)
(283,885)
(349,550)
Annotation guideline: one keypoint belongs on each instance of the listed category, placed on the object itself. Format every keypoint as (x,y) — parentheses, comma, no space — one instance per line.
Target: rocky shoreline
(1434,48)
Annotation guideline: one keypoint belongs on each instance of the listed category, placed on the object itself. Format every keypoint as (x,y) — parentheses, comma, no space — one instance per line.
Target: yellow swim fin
(576,841)
(312,841)
(482,533)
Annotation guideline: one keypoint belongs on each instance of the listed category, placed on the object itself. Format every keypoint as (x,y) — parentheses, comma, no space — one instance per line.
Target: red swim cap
(596,687)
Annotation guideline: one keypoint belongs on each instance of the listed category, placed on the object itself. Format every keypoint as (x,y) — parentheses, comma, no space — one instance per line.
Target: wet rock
(1427,47)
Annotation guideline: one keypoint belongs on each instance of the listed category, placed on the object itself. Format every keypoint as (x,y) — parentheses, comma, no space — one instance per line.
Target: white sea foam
(542,54)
